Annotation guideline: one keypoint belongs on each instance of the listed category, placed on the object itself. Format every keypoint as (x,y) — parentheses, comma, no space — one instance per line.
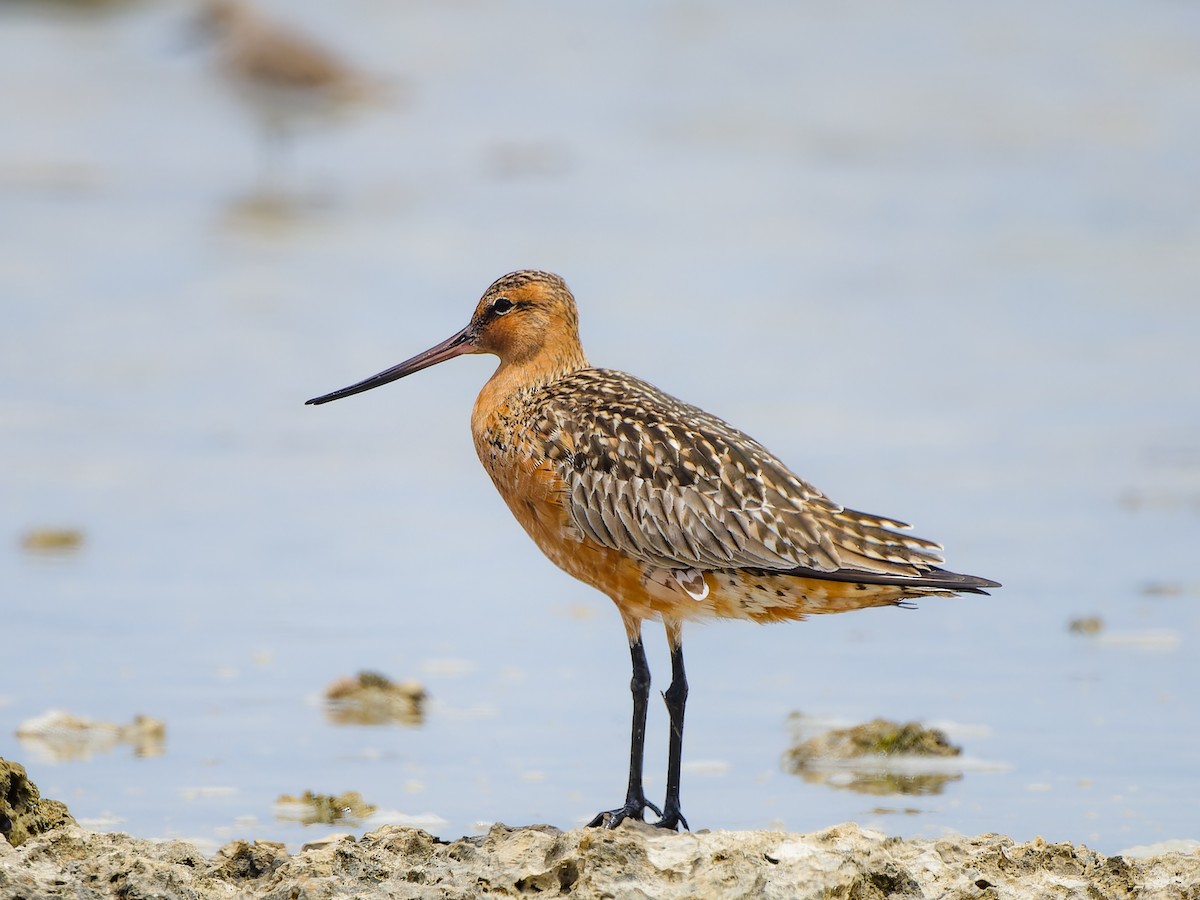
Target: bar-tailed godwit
(668,510)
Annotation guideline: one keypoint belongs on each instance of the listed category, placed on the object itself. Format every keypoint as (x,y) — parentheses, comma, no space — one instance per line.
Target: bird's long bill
(447,349)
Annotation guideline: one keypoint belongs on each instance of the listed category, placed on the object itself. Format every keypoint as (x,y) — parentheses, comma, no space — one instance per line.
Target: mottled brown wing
(674,486)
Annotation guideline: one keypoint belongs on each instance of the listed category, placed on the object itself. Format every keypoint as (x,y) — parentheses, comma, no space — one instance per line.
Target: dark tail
(938,579)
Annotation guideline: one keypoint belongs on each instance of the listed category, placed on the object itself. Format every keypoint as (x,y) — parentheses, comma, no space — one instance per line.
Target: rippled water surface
(944,261)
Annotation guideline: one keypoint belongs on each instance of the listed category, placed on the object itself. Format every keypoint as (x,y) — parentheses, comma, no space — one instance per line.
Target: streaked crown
(527,314)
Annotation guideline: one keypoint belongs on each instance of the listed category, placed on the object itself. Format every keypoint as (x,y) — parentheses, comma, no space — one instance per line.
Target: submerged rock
(52,540)
(879,757)
(879,737)
(323,809)
(1087,626)
(59,736)
(370,698)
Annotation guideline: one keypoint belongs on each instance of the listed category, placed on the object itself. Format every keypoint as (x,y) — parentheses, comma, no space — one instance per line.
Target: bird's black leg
(635,798)
(676,699)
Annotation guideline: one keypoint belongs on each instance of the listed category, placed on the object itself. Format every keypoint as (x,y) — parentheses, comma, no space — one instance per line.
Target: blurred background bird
(288,80)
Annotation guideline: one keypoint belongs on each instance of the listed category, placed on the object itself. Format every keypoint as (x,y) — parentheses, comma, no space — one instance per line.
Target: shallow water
(944,264)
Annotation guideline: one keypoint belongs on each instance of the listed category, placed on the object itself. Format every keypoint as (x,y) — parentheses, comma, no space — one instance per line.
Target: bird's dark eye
(501,305)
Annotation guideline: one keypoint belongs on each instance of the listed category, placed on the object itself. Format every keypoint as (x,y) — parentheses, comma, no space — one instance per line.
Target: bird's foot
(633,809)
(672,819)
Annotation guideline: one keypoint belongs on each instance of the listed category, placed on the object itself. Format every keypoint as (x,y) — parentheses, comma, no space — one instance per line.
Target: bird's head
(527,318)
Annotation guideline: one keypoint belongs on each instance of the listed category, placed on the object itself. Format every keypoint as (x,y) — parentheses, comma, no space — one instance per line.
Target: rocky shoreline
(633,861)
(54,857)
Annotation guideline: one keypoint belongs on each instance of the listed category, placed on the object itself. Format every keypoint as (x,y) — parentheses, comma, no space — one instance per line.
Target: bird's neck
(514,376)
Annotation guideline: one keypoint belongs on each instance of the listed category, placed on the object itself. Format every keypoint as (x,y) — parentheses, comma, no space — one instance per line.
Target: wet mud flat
(632,861)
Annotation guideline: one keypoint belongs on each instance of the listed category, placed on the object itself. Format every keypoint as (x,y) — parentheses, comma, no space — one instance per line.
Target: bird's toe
(635,810)
(672,820)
